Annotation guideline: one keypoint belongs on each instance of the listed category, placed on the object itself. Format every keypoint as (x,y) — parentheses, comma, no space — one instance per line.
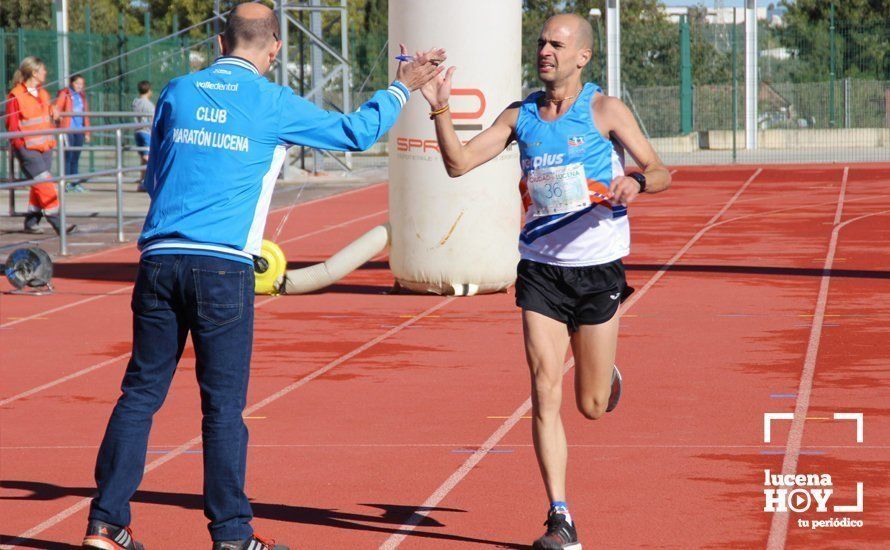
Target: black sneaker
(255,542)
(616,390)
(32,230)
(109,537)
(560,535)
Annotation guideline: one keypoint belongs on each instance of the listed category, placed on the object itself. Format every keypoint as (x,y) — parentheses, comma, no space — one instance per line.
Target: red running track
(400,421)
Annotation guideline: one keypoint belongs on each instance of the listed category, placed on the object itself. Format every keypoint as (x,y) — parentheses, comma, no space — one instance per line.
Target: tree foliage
(103,15)
(649,39)
(861,38)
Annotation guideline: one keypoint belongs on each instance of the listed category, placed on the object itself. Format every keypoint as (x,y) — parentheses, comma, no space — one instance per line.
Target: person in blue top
(218,142)
(72,99)
(570,279)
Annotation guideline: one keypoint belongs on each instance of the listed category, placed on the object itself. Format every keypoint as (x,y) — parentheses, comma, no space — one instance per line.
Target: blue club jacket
(218,142)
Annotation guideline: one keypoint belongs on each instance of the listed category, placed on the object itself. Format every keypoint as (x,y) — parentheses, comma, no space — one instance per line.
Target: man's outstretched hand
(422,69)
(437,90)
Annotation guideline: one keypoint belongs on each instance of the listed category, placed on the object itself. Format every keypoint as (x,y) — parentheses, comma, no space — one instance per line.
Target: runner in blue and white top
(218,141)
(575,191)
(580,226)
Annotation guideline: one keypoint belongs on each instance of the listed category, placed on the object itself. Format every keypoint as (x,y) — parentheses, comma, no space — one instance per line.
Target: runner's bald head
(250,26)
(578,26)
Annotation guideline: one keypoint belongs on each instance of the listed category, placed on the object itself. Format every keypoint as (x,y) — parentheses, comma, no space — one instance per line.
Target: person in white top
(144,105)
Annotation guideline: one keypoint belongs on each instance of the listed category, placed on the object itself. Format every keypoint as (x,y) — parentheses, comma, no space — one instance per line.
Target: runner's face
(558,52)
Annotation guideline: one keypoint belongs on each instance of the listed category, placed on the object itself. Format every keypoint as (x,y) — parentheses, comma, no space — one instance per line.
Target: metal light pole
(283,74)
(282,53)
(317,61)
(61,8)
(347,70)
(832,122)
(751,74)
(216,28)
(613,46)
(685,77)
(598,27)
(735,85)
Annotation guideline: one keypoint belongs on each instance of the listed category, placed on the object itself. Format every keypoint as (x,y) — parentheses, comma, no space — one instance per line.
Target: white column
(751,84)
(613,47)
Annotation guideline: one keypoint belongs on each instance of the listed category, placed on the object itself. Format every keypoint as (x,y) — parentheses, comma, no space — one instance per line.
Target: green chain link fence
(823,95)
(816,102)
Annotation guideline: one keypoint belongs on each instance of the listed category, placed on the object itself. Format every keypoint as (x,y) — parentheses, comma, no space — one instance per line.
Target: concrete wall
(799,139)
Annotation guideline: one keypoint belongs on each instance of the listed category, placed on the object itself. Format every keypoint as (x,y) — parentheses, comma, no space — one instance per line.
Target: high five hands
(437,90)
(422,69)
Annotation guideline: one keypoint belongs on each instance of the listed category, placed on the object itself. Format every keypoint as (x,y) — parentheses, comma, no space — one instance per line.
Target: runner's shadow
(388,522)
(763,270)
(119,272)
(337,288)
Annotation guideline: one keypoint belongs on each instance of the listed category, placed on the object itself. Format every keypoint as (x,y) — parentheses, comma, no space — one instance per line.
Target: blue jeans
(213,299)
(72,158)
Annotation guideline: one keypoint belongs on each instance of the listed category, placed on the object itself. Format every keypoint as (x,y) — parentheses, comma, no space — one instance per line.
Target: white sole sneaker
(615,396)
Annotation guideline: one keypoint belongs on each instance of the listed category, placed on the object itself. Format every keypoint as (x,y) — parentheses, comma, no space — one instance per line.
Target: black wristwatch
(641,179)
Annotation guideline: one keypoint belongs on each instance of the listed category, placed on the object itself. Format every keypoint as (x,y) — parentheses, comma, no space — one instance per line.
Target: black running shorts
(588,295)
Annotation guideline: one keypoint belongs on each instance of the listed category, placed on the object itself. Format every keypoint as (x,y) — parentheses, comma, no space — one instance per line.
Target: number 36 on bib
(558,189)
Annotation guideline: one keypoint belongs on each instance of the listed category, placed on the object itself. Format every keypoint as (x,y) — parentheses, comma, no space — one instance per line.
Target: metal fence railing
(823,90)
(117,171)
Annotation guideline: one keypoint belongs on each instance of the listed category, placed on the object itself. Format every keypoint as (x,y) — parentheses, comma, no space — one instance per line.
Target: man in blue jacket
(218,143)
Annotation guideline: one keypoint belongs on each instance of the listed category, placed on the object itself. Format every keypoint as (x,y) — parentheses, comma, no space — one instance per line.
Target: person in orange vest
(72,99)
(30,108)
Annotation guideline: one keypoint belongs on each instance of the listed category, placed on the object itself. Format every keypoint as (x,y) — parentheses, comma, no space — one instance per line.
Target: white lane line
(97,366)
(433,500)
(71,376)
(778,532)
(91,368)
(83,503)
(442,491)
(636,296)
(128,287)
(328,228)
(66,306)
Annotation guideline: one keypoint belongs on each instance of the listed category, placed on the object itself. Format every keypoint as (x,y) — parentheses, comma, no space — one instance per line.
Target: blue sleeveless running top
(556,154)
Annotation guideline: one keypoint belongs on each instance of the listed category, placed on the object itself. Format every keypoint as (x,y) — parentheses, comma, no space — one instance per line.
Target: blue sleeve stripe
(400,91)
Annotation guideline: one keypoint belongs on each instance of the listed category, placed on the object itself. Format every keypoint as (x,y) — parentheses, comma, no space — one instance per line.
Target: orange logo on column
(476,101)
(472,92)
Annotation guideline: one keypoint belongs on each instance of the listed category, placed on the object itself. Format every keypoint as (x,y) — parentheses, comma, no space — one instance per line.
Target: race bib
(558,189)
